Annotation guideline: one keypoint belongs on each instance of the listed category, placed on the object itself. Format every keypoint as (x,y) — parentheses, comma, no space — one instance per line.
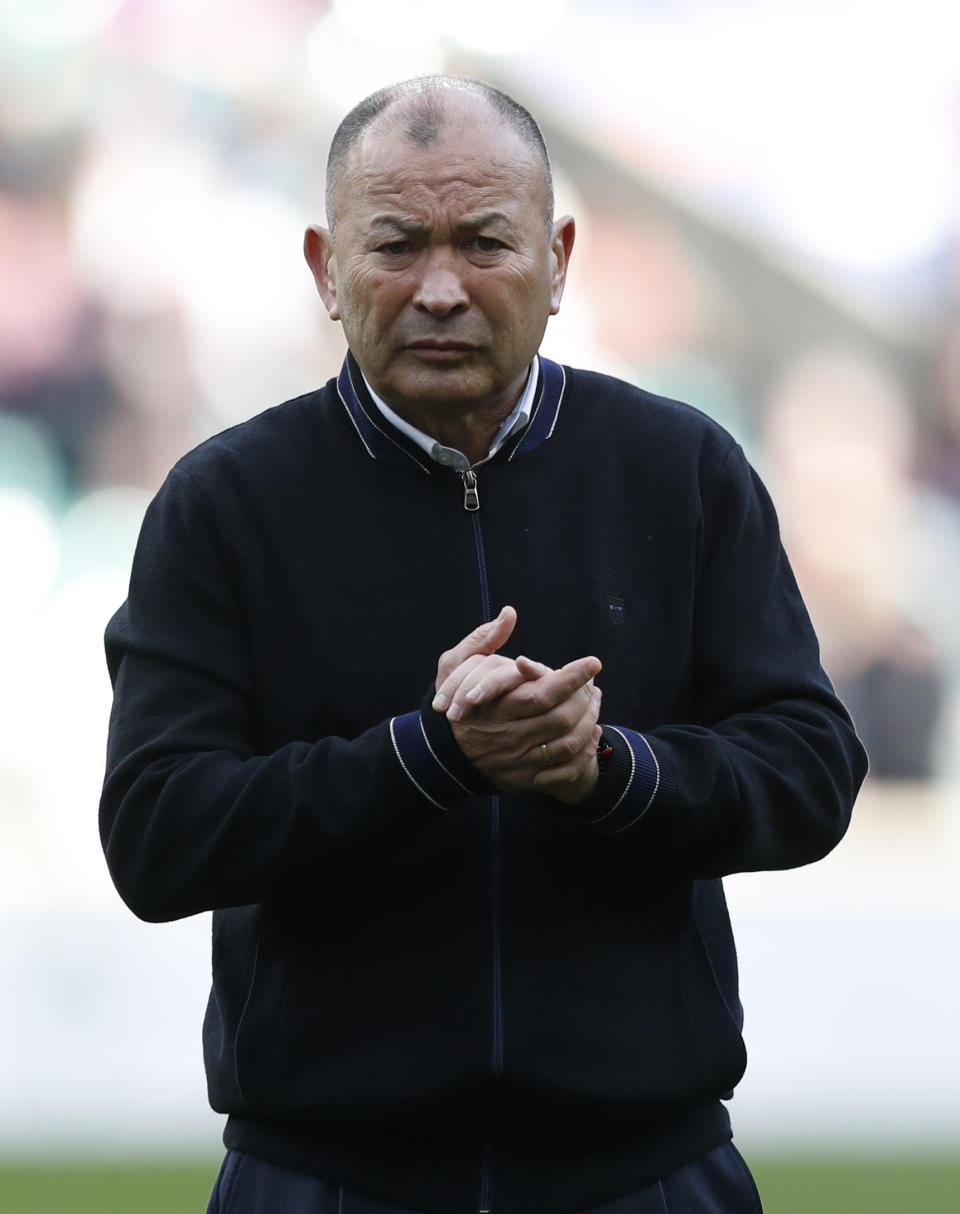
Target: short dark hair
(427,115)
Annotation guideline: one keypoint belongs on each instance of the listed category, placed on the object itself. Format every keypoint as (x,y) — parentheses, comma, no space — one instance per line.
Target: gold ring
(547,758)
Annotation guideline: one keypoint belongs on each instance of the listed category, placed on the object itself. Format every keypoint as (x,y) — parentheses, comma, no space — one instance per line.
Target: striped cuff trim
(645,774)
(642,784)
(633,769)
(420,763)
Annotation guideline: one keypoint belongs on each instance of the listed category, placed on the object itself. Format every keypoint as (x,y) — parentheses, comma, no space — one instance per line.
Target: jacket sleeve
(194,815)
(765,772)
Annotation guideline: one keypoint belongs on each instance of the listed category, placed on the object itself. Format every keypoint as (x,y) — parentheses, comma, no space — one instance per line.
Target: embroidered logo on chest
(616,609)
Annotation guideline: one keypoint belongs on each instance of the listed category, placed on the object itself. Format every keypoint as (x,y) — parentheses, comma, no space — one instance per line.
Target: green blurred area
(883,1185)
(129,1188)
(797,1185)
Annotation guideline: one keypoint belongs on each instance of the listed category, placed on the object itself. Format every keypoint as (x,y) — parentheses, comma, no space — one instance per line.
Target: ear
(322,260)
(561,246)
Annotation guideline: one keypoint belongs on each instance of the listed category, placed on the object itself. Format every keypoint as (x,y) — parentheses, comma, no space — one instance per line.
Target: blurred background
(768,201)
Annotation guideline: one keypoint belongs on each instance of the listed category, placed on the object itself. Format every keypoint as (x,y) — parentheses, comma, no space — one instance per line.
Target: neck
(470,429)
(472,433)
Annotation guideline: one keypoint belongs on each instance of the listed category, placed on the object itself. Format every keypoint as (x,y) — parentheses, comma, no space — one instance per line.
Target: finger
(570,781)
(526,669)
(533,669)
(451,684)
(560,749)
(490,678)
(485,639)
(538,696)
(502,681)
(484,686)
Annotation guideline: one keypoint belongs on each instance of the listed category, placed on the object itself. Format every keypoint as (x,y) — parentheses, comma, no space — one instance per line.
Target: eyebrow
(409,227)
(473,223)
(412,227)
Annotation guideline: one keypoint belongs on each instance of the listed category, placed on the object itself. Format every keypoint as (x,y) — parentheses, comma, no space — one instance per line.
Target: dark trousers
(719,1183)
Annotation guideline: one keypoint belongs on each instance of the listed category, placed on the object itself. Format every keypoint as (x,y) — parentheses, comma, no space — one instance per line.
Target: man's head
(442,260)
(422,100)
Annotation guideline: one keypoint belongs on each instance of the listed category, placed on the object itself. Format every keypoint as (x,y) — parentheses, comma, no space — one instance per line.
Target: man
(470,951)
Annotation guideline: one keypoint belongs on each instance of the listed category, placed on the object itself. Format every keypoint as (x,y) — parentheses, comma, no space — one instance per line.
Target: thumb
(485,639)
(492,635)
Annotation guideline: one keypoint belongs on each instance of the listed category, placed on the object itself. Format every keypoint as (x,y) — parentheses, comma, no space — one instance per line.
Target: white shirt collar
(450,456)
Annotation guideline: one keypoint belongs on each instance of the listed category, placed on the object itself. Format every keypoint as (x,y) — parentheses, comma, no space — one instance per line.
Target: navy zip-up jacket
(450,999)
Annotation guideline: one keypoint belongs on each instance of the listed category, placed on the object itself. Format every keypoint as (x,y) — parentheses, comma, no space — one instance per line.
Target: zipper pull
(471,499)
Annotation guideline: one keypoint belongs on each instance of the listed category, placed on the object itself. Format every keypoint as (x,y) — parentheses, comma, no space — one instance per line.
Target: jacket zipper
(471,498)
(484,1205)
(471,503)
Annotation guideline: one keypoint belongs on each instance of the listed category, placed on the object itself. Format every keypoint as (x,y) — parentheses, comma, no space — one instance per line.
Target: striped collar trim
(384,442)
(546,409)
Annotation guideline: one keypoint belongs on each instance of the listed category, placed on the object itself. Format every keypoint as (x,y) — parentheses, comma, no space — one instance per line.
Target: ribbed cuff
(429,755)
(627,787)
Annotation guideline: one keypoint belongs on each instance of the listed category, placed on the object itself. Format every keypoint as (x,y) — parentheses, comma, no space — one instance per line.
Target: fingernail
(454,712)
(475,692)
(439,702)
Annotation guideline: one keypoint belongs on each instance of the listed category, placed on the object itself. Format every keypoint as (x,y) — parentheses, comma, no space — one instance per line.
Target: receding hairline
(421,107)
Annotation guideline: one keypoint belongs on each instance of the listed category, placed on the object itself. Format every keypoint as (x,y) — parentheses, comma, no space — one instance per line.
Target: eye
(486,244)
(395,248)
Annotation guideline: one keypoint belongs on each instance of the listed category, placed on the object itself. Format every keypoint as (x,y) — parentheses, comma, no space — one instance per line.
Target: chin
(453,387)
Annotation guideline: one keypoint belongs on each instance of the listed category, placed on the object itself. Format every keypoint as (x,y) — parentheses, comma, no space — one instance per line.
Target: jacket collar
(384,442)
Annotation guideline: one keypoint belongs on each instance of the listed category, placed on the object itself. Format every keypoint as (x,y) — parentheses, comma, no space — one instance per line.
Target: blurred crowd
(156,173)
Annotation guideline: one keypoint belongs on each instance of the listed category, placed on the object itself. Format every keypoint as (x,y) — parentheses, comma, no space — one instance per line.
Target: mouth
(440,348)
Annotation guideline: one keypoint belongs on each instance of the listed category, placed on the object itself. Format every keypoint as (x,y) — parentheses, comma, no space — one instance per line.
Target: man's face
(443,270)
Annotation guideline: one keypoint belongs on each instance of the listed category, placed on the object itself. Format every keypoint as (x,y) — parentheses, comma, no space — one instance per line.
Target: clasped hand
(523,725)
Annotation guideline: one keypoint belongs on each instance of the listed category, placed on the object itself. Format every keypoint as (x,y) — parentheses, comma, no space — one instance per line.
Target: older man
(470,949)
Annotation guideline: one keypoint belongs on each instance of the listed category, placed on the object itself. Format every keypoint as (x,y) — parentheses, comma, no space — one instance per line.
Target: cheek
(523,307)
(369,303)
(529,289)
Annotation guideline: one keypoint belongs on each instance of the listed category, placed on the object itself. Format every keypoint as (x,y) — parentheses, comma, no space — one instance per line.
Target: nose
(440,290)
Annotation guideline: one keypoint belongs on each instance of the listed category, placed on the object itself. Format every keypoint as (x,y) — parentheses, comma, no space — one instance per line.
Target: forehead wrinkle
(478,173)
(383,199)
(472,167)
(438,183)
